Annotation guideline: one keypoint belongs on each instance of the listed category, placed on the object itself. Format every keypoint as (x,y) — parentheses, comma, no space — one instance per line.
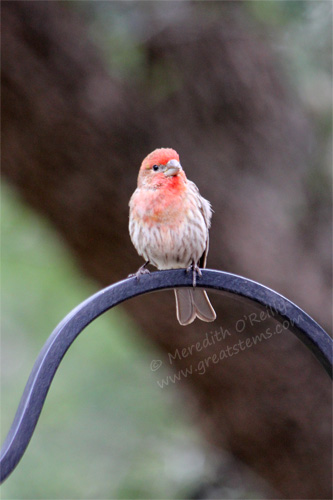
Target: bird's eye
(155,168)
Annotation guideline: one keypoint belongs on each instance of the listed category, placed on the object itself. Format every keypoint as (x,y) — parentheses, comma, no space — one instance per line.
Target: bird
(169,225)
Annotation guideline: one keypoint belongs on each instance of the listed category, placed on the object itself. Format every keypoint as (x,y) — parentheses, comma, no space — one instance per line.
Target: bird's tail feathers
(192,303)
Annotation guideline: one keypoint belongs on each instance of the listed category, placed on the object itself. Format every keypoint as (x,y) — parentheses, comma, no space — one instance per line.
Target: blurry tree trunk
(72,142)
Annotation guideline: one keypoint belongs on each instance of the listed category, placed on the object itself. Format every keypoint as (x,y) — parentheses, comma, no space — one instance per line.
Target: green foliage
(277,12)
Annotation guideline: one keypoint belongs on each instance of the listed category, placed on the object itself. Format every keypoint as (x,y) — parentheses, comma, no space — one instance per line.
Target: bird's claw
(195,269)
(142,270)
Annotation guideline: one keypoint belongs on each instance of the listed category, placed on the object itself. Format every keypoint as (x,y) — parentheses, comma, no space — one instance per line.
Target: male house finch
(168,225)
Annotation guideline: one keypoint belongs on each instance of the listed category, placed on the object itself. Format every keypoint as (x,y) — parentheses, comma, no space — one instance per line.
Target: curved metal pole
(47,363)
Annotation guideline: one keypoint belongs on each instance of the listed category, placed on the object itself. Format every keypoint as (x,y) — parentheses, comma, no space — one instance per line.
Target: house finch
(168,225)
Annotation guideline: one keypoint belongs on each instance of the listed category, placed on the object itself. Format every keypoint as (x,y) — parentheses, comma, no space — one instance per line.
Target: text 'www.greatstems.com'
(217,336)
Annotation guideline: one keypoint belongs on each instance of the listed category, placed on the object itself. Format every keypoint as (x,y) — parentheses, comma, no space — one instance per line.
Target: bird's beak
(173,167)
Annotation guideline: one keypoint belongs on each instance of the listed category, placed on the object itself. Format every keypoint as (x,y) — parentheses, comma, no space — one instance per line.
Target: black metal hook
(48,361)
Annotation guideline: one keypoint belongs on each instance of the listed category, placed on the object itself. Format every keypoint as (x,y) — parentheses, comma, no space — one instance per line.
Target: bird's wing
(203,258)
(206,210)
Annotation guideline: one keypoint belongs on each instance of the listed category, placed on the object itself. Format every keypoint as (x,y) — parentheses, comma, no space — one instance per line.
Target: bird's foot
(142,270)
(195,269)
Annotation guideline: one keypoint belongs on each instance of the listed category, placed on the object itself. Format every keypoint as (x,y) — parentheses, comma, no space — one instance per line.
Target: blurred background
(243,91)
